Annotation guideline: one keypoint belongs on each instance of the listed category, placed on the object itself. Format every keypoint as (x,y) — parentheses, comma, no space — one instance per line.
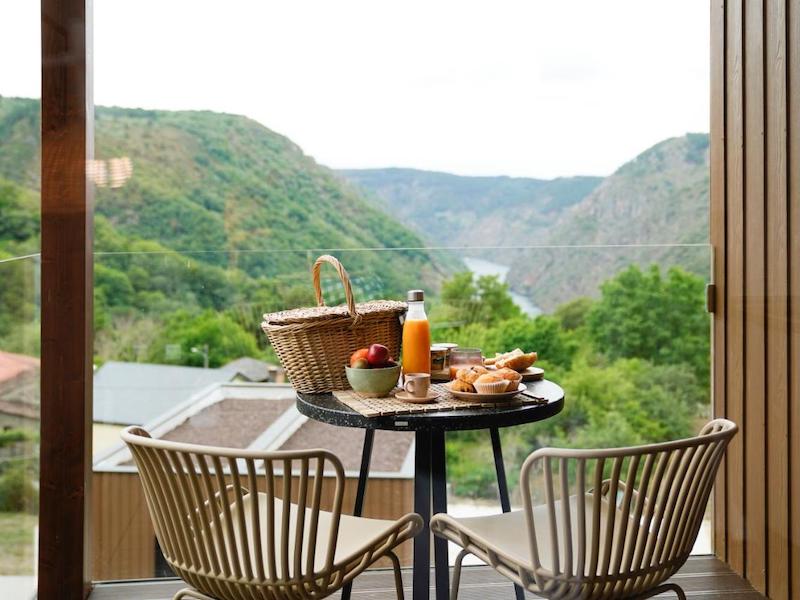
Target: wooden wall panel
(717,237)
(122,534)
(754,314)
(793,125)
(734,273)
(777,342)
(755,232)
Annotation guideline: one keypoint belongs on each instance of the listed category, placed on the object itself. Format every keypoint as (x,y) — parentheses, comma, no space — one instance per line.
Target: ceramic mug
(417,384)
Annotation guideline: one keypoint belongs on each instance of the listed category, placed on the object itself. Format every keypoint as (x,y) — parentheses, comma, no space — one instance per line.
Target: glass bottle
(416,335)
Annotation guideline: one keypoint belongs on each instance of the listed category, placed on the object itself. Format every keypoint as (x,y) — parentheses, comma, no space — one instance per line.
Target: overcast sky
(538,88)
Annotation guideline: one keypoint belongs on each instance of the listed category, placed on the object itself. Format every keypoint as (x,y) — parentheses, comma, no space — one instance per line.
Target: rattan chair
(613,523)
(247,525)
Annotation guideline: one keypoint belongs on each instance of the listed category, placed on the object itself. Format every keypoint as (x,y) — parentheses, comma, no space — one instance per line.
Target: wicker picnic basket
(315,344)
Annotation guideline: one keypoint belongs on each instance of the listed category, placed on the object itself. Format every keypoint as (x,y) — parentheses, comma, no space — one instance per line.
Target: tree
(225,338)
(627,402)
(572,315)
(542,334)
(466,300)
(661,319)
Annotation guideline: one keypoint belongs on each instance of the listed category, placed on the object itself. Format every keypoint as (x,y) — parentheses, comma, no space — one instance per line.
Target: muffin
(490,384)
(510,376)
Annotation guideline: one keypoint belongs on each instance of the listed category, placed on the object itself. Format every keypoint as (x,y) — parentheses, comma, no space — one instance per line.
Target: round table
(430,477)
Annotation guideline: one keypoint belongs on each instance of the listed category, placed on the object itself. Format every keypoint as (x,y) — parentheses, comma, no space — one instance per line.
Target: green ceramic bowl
(373,382)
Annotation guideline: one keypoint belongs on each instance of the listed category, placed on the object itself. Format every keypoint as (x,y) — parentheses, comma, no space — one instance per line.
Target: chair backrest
(616,522)
(224,514)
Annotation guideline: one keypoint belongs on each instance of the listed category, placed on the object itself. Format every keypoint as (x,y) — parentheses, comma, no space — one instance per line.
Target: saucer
(408,397)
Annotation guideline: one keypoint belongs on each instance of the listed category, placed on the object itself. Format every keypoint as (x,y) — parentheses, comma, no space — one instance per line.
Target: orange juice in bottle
(416,336)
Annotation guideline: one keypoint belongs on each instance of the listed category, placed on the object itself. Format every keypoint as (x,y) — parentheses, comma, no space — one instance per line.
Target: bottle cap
(416,295)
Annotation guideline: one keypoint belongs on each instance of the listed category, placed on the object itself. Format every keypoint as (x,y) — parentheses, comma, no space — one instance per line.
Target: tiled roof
(232,422)
(14,365)
(389,450)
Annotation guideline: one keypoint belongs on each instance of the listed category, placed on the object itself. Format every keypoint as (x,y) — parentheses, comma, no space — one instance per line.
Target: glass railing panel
(20,88)
(215,193)
(179,349)
(19,425)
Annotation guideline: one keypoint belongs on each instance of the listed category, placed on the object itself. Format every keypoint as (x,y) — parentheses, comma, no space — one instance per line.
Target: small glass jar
(438,361)
(464,357)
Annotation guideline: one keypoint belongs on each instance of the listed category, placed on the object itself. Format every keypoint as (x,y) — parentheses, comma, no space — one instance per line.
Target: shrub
(17,491)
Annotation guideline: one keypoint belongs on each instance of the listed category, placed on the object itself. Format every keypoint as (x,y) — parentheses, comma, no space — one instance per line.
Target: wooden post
(66,374)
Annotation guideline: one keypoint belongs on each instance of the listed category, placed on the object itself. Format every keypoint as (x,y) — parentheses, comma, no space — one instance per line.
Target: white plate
(501,397)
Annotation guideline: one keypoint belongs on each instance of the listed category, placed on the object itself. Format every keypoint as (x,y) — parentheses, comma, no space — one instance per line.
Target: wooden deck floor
(702,578)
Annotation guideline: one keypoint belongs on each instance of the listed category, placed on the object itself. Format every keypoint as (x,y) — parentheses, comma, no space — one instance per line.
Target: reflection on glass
(113,173)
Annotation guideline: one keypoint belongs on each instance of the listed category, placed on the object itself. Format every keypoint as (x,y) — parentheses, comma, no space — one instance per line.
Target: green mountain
(201,210)
(220,188)
(660,197)
(454,210)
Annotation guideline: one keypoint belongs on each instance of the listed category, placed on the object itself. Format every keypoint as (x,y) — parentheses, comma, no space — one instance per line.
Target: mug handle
(409,386)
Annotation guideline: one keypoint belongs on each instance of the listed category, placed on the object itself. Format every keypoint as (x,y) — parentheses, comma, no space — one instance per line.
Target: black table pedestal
(363,476)
(439,488)
(502,487)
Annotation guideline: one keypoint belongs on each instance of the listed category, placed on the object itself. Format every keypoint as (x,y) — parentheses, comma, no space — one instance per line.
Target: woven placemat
(389,405)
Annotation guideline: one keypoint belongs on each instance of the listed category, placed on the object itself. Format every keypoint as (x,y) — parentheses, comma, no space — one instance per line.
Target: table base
(430,497)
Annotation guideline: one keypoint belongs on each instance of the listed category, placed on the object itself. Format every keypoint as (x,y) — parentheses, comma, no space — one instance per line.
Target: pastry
(470,374)
(488,378)
(458,385)
(516,359)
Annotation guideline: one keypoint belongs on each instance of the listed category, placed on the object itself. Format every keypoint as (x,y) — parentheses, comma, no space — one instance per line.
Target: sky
(535,88)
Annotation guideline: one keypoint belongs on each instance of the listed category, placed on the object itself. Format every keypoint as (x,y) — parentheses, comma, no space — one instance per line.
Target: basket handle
(348,290)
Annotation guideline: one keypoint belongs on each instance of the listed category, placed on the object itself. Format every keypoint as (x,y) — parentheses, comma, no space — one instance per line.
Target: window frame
(67,139)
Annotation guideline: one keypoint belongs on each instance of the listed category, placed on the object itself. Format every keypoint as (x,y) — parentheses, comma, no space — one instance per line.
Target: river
(480,266)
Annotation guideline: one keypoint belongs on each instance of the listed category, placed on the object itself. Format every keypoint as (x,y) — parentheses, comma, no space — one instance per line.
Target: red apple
(378,355)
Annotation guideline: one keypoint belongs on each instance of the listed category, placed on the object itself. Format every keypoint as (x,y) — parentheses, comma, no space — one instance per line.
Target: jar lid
(416,295)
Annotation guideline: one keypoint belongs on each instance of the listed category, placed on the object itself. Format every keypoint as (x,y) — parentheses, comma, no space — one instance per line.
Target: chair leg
(398,575)
(667,587)
(191,593)
(457,575)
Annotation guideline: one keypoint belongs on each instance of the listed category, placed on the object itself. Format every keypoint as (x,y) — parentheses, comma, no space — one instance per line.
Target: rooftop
(130,393)
(262,416)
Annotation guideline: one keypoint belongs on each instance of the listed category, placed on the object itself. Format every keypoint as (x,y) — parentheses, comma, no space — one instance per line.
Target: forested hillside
(214,211)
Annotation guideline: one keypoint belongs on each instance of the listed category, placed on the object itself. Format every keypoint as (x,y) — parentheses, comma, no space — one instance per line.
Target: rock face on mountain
(653,209)
(585,229)
(453,210)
